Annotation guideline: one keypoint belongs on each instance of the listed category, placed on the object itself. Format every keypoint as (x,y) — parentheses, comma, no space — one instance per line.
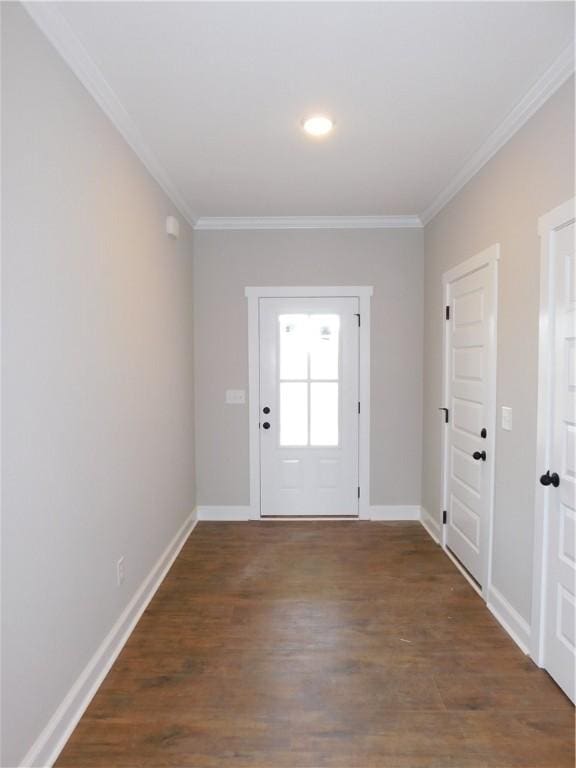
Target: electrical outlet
(120,572)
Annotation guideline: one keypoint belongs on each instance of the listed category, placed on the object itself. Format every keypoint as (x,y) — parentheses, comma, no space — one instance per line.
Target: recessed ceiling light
(318,125)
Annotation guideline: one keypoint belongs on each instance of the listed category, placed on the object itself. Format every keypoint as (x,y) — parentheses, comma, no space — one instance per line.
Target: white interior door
(470,385)
(309,406)
(560,477)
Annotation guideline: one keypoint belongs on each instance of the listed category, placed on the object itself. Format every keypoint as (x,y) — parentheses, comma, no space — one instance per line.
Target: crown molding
(547,85)
(55,27)
(307,222)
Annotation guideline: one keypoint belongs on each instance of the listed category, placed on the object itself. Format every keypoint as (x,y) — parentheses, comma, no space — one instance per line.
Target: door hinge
(358,491)
(357,314)
(358,407)
(446,414)
(447,312)
(444,517)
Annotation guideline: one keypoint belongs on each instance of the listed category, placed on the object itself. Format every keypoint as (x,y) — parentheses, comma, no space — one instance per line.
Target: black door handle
(550,479)
(479,455)
(266,425)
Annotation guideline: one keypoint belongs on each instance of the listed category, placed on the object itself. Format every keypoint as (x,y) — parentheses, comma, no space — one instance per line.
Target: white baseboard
(517,627)
(224,514)
(432,526)
(395,512)
(509,618)
(238,514)
(54,736)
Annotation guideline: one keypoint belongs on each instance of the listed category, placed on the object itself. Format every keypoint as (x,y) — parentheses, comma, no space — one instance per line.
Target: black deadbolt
(266,409)
(550,479)
(479,455)
(266,425)
(483,433)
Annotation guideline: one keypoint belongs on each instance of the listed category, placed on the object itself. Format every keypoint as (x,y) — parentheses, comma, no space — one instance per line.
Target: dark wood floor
(300,645)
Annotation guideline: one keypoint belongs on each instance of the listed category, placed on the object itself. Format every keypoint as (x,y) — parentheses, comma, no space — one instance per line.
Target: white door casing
(554,613)
(470,294)
(309,406)
(363,295)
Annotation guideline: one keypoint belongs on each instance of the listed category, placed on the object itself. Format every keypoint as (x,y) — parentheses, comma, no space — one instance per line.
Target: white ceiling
(217,91)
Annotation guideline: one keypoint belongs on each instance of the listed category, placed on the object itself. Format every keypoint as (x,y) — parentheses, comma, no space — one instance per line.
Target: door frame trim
(547,224)
(363,294)
(488,257)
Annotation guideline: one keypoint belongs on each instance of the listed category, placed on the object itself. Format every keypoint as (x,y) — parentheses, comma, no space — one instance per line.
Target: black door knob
(479,455)
(266,425)
(266,409)
(550,479)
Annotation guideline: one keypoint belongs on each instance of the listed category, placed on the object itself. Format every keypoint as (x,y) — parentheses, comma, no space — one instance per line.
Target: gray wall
(97,365)
(226,262)
(531,174)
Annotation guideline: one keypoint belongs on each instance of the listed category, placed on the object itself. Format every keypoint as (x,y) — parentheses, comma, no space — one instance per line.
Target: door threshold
(299,518)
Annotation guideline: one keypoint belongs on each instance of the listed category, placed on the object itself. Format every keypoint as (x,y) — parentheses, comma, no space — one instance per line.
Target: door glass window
(324,340)
(309,366)
(324,413)
(294,413)
(293,347)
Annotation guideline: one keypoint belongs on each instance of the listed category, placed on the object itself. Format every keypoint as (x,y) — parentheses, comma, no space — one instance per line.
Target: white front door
(309,406)
(470,293)
(559,478)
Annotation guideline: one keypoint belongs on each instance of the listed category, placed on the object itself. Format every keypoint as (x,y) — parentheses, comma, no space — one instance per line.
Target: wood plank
(306,644)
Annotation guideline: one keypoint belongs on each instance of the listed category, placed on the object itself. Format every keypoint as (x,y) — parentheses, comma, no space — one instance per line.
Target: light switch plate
(235,396)
(507,418)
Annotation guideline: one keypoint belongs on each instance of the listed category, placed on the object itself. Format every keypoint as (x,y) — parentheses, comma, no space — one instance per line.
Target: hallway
(299,645)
